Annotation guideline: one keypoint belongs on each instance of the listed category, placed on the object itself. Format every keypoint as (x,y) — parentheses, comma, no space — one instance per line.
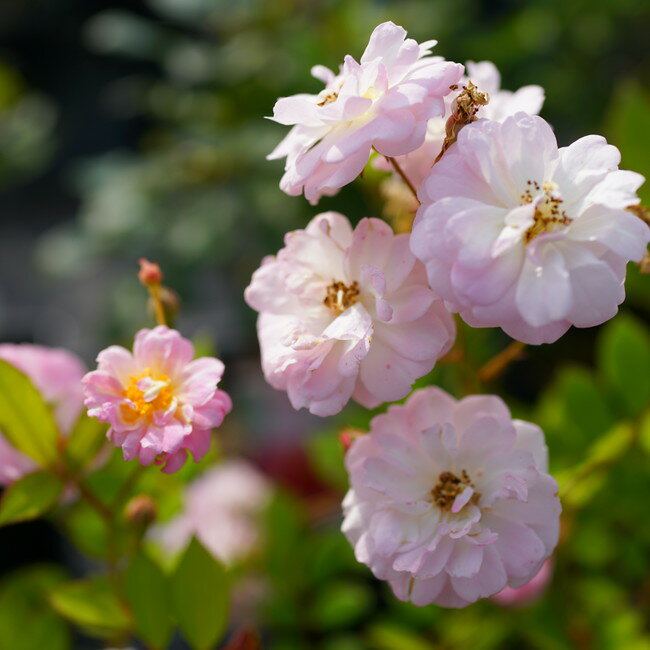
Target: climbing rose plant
(450,498)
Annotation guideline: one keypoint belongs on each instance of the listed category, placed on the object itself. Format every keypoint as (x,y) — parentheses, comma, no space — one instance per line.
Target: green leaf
(29,497)
(85,441)
(200,597)
(25,419)
(86,529)
(624,355)
(628,127)
(92,605)
(148,593)
(579,484)
(326,455)
(26,618)
(392,636)
(341,604)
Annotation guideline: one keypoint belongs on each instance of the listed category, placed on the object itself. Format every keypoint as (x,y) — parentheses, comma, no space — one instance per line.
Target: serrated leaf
(200,597)
(148,593)
(85,441)
(29,497)
(624,356)
(25,418)
(91,605)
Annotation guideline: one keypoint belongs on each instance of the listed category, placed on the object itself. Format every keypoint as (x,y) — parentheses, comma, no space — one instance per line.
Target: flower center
(146,394)
(339,296)
(327,97)
(449,486)
(549,214)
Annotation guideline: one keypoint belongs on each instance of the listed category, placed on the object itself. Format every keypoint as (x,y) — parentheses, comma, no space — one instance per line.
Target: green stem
(128,485)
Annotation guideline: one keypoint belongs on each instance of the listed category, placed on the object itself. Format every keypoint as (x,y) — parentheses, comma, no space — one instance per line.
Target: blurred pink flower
(385,102)
(57,374)
(528,593)
(159,402)
(221,508)
(503,103)
(519,234)
(450,501)
(346,314)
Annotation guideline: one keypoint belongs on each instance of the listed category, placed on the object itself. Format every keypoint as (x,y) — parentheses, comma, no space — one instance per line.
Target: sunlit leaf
(25,419)
(85,441)
(92,605)
(29,497)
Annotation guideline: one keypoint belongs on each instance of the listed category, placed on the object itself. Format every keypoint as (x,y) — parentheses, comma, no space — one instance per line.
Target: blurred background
(132,129)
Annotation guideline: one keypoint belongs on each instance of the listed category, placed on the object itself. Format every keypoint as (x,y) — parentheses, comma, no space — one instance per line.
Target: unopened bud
(348,436)
(141,511)
(149,273)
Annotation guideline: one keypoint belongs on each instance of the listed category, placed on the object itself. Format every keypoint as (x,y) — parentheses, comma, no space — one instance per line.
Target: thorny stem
(405,178)
(496,365)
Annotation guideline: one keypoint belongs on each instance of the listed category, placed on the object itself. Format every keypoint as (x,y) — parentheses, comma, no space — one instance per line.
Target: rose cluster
(449,501)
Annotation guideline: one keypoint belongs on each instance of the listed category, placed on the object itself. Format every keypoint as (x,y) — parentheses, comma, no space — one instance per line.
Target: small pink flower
(450,501)
(57,374)
(528,593)
(159,402)
(385,102)
(503,103)
(346,314)
(221,508)
(519,234)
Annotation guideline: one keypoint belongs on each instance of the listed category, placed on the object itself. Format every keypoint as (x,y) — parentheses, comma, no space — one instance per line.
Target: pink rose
(220,509)
(450,501)
(518,234)
(385,102)
(159,402)
(346,314)
(503,103)
(528,593)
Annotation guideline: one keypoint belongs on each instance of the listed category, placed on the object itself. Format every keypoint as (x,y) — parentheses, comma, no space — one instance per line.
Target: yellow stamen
(449,486)
(144,403)
(549,215)
(340,296)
